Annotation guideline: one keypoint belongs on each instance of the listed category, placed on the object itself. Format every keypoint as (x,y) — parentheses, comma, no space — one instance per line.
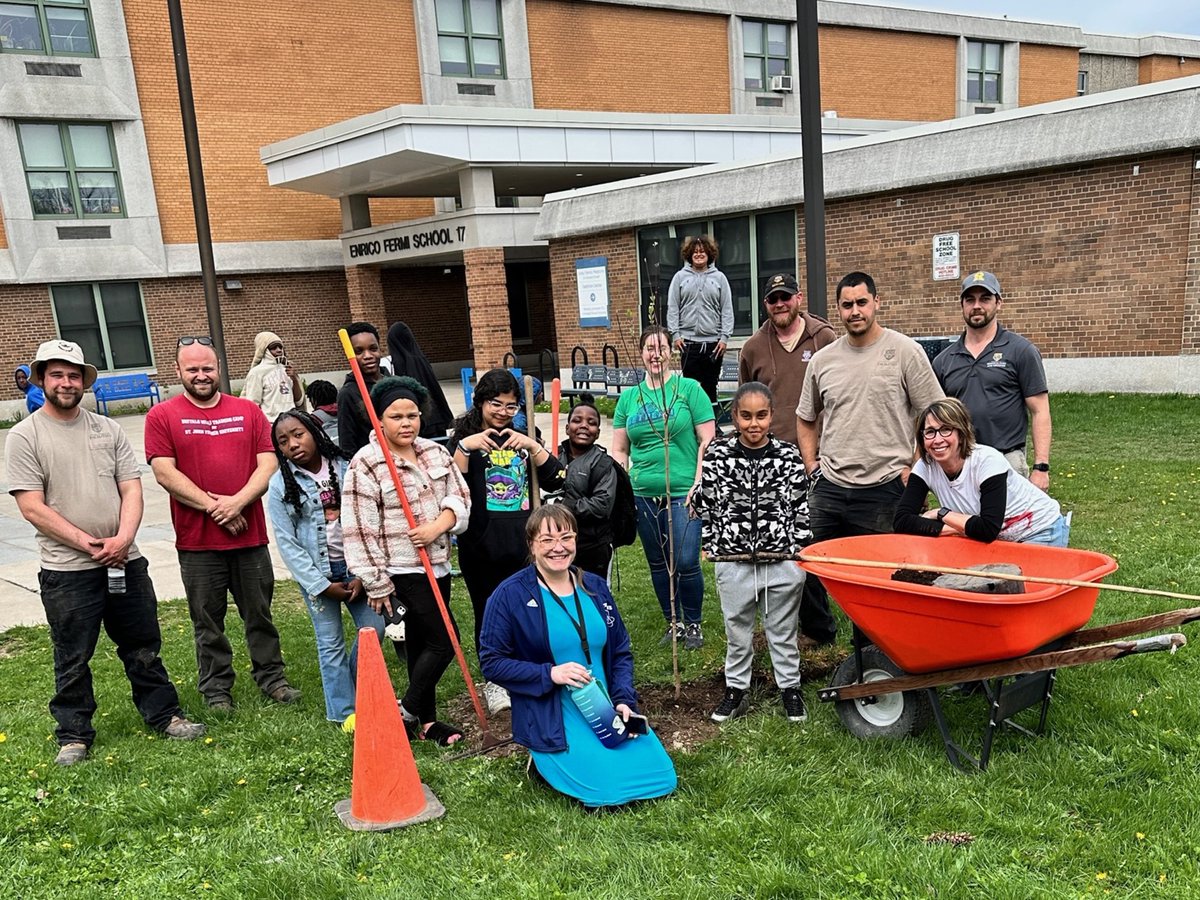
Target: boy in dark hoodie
(353,423)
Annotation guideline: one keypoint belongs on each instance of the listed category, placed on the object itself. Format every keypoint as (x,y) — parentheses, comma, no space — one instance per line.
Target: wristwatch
(1041,467)
(942,513)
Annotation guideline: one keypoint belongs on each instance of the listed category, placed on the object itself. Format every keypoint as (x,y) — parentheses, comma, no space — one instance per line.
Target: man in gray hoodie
(700,313)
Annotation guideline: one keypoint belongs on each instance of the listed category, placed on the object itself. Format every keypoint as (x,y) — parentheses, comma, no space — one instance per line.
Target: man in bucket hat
(75,479)
(998,375)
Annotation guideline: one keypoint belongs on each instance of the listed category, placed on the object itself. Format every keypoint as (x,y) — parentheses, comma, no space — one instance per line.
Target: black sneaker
(675,630)
(735,704)
(793,705)
(693,638)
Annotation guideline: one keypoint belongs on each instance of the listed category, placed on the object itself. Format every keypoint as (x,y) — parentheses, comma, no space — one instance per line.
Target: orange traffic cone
(386,791)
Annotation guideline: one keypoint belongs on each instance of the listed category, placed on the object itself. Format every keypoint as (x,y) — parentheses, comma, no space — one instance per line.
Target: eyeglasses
(497,406)
(549,541)
(945,431)
(188,341)
(778,297)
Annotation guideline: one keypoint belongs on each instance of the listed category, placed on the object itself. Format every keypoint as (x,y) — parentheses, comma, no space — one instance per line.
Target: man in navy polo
(998,375)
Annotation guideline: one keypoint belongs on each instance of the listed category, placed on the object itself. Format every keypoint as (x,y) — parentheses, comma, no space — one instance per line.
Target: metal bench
(585,378)
(727,385)
(124,387)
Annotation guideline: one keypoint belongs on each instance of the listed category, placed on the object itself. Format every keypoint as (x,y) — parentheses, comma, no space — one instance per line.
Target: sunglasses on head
(202,341)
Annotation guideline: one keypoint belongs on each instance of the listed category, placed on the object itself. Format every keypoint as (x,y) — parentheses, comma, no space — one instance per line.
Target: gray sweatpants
(774,589)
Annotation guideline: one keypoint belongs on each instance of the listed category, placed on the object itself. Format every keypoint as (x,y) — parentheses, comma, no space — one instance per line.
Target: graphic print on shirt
(507,480)
(214,427)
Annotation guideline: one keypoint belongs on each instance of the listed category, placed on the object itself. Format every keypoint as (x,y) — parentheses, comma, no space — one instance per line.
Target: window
(1081,86)
(107,320)
(983,72)
(764,53)
(469,39)
(59,27)
(750,250)
(71,170)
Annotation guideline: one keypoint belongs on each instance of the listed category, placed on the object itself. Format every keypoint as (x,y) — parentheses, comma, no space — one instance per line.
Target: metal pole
(191,140)
(808,72)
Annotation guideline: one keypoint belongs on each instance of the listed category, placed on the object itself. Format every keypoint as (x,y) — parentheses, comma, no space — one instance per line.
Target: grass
(1101,806)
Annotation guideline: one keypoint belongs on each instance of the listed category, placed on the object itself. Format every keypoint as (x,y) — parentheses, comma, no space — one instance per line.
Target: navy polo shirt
(994,385)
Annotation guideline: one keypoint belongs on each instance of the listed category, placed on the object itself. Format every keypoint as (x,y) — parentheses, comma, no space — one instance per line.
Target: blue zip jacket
(301,539)
(515,653)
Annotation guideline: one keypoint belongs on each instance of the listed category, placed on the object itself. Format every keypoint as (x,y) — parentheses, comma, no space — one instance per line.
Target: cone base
(433,810)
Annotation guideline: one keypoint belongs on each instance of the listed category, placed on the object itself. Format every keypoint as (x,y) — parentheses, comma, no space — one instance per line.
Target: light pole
(191,141)
(808,71)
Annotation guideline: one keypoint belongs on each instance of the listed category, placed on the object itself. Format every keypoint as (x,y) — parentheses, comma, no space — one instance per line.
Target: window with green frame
(470,40)
(984,71)
(71,168)
(108,320)
(764,53)
(57,27)
(750,249)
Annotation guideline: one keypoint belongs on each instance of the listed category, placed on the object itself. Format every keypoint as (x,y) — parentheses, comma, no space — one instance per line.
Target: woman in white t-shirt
(982,496)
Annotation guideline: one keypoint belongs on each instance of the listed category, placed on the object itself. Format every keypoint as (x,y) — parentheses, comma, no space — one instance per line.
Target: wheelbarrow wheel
(887,716)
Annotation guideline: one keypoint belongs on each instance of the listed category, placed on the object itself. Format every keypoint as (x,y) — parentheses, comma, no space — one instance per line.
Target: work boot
(69,754)
(181,729)
(285,693)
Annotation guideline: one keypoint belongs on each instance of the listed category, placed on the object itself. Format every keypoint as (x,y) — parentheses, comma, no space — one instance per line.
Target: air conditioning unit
(781,84)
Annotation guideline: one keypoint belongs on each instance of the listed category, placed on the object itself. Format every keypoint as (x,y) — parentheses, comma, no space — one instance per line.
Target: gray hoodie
(700,305)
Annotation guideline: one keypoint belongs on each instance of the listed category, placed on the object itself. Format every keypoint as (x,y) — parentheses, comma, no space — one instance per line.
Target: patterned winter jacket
(750,505)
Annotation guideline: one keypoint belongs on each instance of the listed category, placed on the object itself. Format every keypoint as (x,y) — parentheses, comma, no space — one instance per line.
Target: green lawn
(1102,805)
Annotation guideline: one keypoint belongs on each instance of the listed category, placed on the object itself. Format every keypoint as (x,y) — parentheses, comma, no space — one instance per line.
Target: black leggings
(483,575)
(428,647)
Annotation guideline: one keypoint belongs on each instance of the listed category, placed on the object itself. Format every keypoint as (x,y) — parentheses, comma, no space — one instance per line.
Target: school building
(389,161)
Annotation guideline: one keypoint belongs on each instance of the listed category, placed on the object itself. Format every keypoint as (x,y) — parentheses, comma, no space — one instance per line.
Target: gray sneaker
(675,631)
(496,698)
(182,729)
(69,754)
(693,639)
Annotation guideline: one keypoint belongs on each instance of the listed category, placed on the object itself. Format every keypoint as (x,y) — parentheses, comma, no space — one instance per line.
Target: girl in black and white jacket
(751,502)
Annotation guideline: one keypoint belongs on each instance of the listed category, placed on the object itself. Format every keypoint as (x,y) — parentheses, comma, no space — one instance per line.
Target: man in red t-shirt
(213,455)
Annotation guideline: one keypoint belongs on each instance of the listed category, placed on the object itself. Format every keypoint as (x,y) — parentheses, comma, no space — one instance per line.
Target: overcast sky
(1132,17)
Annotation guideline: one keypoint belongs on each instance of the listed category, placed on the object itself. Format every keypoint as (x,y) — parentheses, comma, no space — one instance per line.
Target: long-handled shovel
(489,740)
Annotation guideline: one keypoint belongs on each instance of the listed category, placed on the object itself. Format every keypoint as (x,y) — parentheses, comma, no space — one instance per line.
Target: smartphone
(636,724)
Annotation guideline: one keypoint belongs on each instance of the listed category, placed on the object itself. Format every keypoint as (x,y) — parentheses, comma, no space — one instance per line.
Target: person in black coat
(407,359)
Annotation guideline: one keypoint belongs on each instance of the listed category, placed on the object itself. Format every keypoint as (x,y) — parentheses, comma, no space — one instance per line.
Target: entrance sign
(591,278)
(945,256)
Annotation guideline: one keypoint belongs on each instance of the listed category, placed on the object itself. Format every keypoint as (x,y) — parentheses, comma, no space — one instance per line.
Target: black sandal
(442,733)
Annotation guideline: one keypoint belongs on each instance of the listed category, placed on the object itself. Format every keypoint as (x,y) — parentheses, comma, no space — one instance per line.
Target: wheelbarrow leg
(959,757)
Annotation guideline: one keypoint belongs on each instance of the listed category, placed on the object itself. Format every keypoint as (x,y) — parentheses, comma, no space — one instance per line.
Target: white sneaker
(496,698)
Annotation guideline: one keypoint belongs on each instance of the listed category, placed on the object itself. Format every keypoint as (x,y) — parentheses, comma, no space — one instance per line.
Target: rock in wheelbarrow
(983,584)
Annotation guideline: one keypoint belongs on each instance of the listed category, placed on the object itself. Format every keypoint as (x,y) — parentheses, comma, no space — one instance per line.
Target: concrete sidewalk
(20,603)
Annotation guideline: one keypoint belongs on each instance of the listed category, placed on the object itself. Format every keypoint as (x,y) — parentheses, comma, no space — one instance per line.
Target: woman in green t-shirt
(664,467)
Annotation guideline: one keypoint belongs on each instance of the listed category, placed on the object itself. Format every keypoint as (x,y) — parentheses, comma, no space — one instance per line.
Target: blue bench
(123,387)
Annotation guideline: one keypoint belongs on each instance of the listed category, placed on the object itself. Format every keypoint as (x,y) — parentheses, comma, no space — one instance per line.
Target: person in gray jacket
(700,313)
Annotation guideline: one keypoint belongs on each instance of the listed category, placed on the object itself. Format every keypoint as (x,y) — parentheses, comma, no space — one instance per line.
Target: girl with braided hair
(304,500)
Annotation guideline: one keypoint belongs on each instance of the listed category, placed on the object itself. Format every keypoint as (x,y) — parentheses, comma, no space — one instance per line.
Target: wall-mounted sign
(591,278)
(409,241)
(945,256)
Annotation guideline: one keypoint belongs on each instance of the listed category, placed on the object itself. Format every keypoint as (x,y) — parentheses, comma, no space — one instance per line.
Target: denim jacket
(301,538)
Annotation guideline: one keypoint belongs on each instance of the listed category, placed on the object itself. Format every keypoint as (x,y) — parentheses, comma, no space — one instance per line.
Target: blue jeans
(77,604)
(689,580)
(339,667)
(1056,535)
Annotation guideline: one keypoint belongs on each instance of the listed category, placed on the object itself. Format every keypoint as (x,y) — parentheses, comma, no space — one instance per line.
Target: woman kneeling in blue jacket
(553,638)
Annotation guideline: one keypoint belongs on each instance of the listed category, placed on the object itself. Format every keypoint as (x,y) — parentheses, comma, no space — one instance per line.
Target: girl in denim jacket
(304,500)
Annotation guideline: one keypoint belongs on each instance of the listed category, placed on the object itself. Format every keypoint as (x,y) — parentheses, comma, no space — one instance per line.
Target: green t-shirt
(640,413)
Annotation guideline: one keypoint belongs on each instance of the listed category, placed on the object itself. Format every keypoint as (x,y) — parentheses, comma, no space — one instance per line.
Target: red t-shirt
(217,448)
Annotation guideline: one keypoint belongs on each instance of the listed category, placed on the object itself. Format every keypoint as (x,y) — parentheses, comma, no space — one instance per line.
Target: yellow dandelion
(1140,836)
(67,845)
(241,781)
(1133,712)
(1101,876)
(3,737)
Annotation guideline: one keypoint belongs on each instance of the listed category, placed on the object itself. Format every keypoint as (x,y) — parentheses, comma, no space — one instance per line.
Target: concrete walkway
(20,603)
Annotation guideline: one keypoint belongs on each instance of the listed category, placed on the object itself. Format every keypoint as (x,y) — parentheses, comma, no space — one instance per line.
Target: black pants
(209,577)
(835,511)
(816,618)
(483,575)
(427,643)
(699,363)
(595,559)
(77,604)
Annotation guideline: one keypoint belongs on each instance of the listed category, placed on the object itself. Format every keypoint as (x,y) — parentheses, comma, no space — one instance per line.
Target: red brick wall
(1048,73)
(262,72)
(1160,68)
(434,305)
(25,321)
(487,297)
(1085,256)
(869,74)
(625,59)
